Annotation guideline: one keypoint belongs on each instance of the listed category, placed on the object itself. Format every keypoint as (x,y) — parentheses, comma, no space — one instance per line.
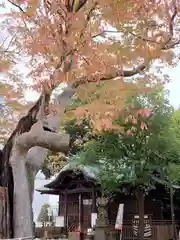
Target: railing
(160,230)
(153,222)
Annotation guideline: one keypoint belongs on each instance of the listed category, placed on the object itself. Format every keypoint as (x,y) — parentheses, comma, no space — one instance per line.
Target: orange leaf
(4,65)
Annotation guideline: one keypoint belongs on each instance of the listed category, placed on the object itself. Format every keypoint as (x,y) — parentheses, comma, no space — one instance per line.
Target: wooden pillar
(59,205)
(94,208)
(81,217)
(65,212)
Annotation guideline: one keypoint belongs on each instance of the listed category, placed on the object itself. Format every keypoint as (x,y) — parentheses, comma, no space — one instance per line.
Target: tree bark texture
(6,179)
(140,201)
(28,154)
(22,200)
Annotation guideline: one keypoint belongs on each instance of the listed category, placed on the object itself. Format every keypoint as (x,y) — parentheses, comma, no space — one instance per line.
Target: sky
(173,86)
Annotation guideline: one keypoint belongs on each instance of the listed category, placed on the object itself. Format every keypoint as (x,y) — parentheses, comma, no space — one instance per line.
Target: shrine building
(78,191)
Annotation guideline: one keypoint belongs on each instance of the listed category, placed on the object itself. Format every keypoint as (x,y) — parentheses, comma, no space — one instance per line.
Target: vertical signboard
(119,218)
(93,219)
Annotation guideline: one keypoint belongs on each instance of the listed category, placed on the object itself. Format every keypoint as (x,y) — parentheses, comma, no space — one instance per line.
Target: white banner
(93,219)
(119,218)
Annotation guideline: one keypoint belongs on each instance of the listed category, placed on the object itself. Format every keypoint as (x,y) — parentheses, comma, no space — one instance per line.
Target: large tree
(70,41)
(144,147)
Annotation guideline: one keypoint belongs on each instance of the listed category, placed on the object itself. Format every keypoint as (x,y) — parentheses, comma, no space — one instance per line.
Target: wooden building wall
(152,208)
(73,209)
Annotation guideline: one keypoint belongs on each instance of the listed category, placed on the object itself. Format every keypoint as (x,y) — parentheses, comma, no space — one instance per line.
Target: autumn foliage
(86,43)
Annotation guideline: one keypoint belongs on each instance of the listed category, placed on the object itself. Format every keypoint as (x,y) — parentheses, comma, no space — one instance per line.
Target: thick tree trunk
(172,213)
(22,207)
(31,174)
(28,142)
(140,200)
(22,200)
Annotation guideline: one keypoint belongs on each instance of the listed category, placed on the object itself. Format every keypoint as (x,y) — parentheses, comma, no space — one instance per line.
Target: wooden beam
(81,216)
(78,190)
(69,191)
(65,212)
(75,182)
(94,208)
(59,205)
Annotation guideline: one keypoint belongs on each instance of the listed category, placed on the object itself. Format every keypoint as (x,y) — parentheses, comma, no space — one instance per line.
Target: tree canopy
(145,147)
(86,41)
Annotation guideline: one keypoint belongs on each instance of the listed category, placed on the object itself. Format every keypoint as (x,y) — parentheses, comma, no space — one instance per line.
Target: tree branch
(109,76)
(103,34)
(88,17)
(165,45)
(38,137)
(17,6)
